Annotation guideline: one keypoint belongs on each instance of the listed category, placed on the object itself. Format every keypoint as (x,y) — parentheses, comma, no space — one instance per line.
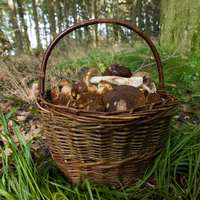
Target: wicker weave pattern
(113,149)
(109,148)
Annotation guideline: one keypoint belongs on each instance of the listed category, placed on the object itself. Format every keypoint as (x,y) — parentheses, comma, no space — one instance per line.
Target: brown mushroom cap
(78,88)
(117,70)
(55,92)
(90,102)
(123,98)
(61,93)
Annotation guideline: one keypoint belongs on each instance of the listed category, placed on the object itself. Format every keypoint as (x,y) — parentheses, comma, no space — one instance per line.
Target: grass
(175,174)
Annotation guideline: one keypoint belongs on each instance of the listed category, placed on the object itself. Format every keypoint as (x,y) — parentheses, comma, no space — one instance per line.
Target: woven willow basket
(109,148)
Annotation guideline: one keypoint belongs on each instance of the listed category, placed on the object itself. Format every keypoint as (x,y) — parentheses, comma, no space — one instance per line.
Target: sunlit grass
(175,174)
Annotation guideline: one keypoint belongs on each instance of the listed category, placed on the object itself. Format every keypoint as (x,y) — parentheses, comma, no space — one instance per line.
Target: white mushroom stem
(117,80)
(135,81)
(150,89)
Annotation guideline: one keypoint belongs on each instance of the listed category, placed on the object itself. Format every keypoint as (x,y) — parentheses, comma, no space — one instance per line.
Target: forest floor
(26,168)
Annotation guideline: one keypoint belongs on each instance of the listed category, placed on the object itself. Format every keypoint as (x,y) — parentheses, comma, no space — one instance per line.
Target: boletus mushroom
(117,70)
(123,98)
(88,75)
(78,88)
(89,102)
(61,93)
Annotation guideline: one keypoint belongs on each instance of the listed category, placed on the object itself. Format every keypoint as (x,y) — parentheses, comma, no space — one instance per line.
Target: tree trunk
(139,14)
(51,18)
(131,5)
(17,33)
(116,15)
(85,8)
(180,25)
(75,16)
(59,14)
(156,18)
(95,29)
(24,27)
(37,31)
(45,31)
(66,12)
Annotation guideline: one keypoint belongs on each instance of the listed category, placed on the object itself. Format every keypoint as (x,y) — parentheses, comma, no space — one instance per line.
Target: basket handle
(97,21)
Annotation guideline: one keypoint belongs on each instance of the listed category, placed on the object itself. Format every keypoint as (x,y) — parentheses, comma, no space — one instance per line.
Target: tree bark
(59,14)
(116,15)
(66,13)
(139,14)
(180,25)
(156,18)
(17,33)
(45,31)
(85,11)
(51,18)
(37,30)
(24,27)
(95,30)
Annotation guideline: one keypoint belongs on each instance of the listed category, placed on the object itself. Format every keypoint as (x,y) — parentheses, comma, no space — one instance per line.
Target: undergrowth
(175,174)
(181,74)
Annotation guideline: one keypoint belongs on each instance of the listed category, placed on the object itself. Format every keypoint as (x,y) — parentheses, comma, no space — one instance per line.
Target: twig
(173,55)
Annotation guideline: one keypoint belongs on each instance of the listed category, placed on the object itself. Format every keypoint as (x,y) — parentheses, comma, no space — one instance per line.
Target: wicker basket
(109,148)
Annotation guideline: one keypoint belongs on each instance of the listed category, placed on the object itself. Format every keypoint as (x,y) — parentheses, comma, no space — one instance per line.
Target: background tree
(23,24)
(34,23)
(18,43)
(180,25)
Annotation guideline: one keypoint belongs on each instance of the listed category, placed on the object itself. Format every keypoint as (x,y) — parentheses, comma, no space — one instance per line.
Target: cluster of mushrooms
(116,89)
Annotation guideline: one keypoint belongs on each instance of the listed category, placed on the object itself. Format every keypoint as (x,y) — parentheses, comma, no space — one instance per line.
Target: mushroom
(86,78)
(78,88)
(144,83)
(55,92)
(89,102)
(104,87)
(117,80)
(148,85)
(65,92)
(123,98)
(61,93)
(117,70)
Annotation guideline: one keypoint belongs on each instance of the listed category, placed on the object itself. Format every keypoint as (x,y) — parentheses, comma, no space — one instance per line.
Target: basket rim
(144,111)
